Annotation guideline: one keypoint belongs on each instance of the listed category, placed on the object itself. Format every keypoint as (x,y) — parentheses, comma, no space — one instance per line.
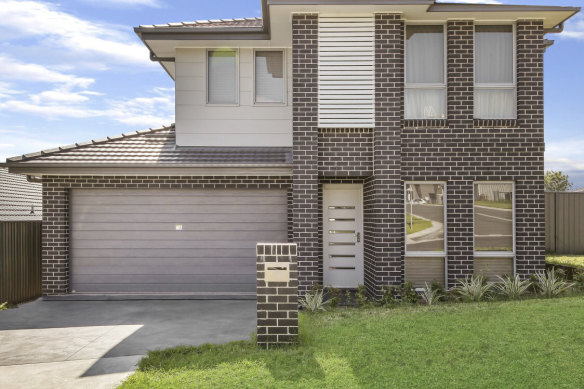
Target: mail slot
(277,272)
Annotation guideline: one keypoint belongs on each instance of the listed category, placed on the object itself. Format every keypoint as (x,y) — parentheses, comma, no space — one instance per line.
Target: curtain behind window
(222,77)
(269,77)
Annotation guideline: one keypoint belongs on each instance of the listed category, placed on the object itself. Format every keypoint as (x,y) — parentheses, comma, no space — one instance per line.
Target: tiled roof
(217,23)
(18,198)
(154,146)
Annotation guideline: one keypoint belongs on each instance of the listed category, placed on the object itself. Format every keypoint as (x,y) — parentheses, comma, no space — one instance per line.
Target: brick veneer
(345,152)
(277,302)
(55,233)
(305,146)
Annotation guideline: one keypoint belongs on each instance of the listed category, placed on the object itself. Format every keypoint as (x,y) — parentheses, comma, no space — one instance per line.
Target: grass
(533,343)
(417,225)
(566,260)
(494,204)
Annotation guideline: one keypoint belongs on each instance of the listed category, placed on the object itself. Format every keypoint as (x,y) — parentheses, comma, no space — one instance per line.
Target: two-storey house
(392,140)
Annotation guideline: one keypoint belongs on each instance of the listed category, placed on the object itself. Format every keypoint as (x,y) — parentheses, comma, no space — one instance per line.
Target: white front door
(343,235)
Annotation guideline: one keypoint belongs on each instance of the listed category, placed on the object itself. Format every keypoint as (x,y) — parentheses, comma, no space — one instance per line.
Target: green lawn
(566,260)
(527,344)
(494,204)
(417,225)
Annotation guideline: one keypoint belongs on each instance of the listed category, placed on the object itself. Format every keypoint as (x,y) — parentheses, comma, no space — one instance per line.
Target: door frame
(360,263)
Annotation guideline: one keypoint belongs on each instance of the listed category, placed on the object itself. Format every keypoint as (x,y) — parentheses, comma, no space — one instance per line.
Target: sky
(73,70)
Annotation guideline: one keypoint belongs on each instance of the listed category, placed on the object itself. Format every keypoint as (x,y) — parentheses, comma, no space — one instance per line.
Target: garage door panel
(177,236)
(159,288)
(126,241)
(186,226)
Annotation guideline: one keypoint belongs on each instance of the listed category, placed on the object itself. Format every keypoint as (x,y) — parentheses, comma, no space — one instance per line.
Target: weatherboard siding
(243,124)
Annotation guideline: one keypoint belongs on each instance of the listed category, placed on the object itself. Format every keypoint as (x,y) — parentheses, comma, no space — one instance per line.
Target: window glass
(269,77)
(222,77)
(495,96)
(425,94)
(424,217)
(493,217)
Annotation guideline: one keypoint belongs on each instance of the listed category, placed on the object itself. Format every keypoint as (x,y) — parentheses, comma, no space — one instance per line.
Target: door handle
(358,235)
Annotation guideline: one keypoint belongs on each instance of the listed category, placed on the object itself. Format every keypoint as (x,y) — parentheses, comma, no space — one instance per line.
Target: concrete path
(96,344)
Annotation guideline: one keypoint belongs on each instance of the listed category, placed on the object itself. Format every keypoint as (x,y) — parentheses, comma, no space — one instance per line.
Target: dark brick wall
(305,146)
(55,233)
(345,152)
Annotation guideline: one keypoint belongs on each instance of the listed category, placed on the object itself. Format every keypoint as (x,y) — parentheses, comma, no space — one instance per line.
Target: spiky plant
(512,288)
(3,306)
(550,285)
(477,289)
(431,295)
(314,302)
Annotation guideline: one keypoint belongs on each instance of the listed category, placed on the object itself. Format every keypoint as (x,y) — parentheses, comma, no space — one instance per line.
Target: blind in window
(269,77)
(346,71)
(222,77)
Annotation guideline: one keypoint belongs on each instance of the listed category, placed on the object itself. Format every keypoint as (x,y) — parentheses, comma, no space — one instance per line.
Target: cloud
(565,155)
(17,70)
(22,143)
(57,29)
(574,28)
(125,3)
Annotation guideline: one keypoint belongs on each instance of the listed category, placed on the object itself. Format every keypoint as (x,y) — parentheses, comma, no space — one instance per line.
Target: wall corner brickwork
(277,294)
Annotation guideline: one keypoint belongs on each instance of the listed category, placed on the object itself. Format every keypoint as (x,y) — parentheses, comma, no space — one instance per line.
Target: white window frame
(236,104)
(284,74)
(444,85)
(496,254)
(497,86)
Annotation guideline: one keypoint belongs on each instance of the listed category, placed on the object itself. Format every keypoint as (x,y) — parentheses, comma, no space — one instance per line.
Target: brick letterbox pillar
(277,294)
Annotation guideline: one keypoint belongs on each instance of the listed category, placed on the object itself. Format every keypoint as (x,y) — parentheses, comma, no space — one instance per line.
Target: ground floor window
(425,226)
(494,229)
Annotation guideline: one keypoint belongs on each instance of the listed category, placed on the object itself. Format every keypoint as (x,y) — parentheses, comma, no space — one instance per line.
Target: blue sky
(73,70)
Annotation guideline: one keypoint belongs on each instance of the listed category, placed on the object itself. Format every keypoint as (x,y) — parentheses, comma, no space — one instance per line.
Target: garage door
(171,241)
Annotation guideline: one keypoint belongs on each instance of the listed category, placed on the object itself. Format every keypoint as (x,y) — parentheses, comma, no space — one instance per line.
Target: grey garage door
(171,241)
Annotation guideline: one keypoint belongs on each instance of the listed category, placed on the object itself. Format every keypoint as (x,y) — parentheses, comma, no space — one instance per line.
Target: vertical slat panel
(550,222)
(346,71)
(20,261)
(565,222)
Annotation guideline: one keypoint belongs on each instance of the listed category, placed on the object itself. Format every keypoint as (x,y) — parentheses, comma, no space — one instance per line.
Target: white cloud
(126,3)
(58,29)
(17,70)
(574,27)
(22,143)
(471,1)
(59,96)
(565,155)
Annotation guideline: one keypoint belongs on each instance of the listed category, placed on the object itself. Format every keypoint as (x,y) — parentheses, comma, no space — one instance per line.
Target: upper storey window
(425,90)
(346,71)
(222,77)
(495,89)
(269,77)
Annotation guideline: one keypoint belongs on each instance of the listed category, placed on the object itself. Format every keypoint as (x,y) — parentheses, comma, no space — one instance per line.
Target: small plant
(388,295)
(477,289)
(348,298)
(3,306)
(579,279)
(361,298)
(314,302)
(408,293)
(550,285)
(431,295)
(512,288)
(335,296)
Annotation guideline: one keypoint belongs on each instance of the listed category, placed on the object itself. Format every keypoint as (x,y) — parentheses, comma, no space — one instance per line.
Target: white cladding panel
(346,71)
(242,124)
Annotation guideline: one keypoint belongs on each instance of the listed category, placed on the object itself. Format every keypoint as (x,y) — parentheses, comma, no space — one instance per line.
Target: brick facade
(55,234)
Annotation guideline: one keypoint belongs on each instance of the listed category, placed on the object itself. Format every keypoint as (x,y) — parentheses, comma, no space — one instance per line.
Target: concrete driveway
(96,344)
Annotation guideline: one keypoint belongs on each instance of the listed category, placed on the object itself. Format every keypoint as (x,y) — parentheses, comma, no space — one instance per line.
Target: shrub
(3,306)
(512,288)
(361,298)
(389,295)
(550,285)
(477,289)
(335,296)
(348,298)
(314,301)
(579,279)
(431,295)
(408,293)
